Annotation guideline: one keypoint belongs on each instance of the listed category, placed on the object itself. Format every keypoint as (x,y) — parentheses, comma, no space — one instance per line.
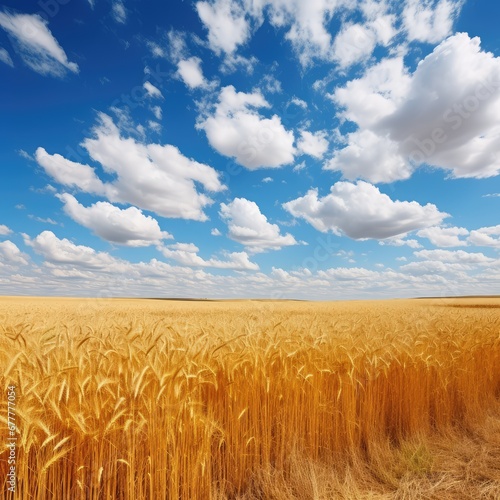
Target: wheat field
(154,399)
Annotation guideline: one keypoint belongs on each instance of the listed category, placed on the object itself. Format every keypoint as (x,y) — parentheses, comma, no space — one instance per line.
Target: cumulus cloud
(430,20)
(152,91)
(350,274)
(226,24)
(361,211)
(70,269)
(126,227)
(459,256)
(366,101)
(230,24)
(356,41)
(5,57)
(370,156)
(154,177)
(440,115)
(11,255)
(187,255)
(486,236)
(458,127)
(444,236)
(63,251)
(377,94)
(189,70)
(249,226)
(436,267)
(4,230)
(237,130)
(307,24)
(36,45)
(313,144)
(69,173)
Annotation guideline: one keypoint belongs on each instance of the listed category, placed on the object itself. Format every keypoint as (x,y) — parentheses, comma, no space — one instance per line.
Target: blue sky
(328,149)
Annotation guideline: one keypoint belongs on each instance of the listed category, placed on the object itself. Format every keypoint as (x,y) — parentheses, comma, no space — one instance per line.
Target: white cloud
(300,166)
(11,255)
(453,125)
(377,94)
(69,173)
(459,256)
(119,12)
(430,20)
(435,267)
(313,144)
(230,24)
(177,48)
(439,115)
(233,62)
(400,242)
(156,50)
(267,179)
(63,251)
(5,57)
(444,236)
(153,177)
(237,130)
(250,227)
(4,230)
(370,156)
(271,84)
(36,45)
(486,237)
(152,91)
(215,232)
(44,220)
(308,25)
(361,211)
(350,274)
(299,102)
(356,41)
(187,255)
(71,269)
(23,154)
(154,126)
(226,24)
(189,70)
(126,227)
(157,111)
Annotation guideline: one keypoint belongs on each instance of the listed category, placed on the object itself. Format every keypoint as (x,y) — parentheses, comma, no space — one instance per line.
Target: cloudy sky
(321,149)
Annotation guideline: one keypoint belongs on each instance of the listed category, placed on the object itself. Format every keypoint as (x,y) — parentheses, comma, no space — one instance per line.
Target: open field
(154,399)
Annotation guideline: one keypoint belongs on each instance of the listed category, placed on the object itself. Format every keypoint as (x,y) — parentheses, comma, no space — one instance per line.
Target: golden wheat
(210,400)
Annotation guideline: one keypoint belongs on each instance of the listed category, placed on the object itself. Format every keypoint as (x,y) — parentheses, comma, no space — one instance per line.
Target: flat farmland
(170,399)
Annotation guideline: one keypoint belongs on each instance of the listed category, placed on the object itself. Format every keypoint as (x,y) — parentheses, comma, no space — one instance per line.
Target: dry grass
(132,399)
